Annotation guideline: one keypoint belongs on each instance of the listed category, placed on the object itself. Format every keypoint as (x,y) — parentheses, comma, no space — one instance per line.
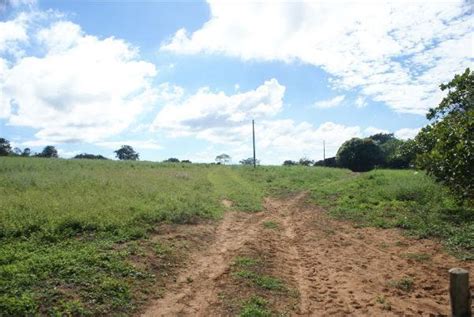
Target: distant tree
(186,161)
(126,152)
(329,162)
(16,151)
(305,161)
(359,155)
(171,160)
(223,158)
(289,163)
(26,152)
(445,147)
(86,156)
(382,138)
(49,151)
(249,161)
(5,147)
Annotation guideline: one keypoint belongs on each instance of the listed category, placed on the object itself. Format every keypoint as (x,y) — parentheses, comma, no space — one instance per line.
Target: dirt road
(327,267)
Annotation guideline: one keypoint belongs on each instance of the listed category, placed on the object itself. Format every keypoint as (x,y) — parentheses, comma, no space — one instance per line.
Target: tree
(359,155)
(186,161)
(223,158)
(26,152)
(382,138)
(445,147)
(305,161)
(126,152)
(171,160)
(5,148)
(329,162)
(49,151)
(86,156)
(249,161)
(289,163)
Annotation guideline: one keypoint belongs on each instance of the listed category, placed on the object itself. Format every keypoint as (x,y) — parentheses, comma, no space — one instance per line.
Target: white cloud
(360,102)
(83,89)
(216,110)
(225,121)
(136,144)
(330,103)
(395,52)
(13,33)
(407,133)
(373,130)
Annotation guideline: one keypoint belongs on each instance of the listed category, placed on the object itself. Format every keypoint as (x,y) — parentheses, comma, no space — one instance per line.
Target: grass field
(69,228)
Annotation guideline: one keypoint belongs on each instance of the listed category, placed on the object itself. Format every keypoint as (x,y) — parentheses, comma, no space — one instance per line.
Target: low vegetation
(71,230)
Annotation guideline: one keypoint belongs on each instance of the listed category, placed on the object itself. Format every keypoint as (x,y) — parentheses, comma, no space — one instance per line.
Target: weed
(405,284)
(255,307)
(270,225)
(263,281)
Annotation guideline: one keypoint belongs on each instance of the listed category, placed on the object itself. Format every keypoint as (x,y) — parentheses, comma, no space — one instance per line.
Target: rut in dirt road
(195,289)
(328,267)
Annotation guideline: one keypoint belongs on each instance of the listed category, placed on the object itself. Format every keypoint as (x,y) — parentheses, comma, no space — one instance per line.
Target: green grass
(255,307)
(270,224)
(69,229)
(405,284)
(62,223)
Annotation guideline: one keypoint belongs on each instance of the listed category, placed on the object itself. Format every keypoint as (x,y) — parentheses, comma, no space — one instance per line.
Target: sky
(185,79)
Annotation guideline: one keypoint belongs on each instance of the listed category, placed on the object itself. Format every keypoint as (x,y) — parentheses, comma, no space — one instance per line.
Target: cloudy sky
(184,79)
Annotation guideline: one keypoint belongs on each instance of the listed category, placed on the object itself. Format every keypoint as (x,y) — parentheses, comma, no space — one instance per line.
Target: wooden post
(459,293)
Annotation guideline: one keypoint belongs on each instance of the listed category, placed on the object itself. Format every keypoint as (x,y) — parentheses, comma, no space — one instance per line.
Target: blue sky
(185,79)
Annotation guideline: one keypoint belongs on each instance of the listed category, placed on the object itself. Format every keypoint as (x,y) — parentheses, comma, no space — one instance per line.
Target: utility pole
(324,152)
(253,138)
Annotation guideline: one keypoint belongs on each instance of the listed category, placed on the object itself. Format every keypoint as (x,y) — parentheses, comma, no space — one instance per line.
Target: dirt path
(329,267)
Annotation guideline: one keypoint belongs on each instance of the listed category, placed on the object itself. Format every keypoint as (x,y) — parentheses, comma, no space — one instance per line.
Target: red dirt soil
(335,268)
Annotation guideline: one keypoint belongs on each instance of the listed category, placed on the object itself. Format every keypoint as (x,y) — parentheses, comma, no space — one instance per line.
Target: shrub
(359,155)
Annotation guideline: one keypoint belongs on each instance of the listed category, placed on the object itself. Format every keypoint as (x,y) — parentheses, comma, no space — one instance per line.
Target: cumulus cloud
(225,121)
(407,133)
(373,130)
(330,103)
(216,110)
(136,144)
(81,89)
(396,52)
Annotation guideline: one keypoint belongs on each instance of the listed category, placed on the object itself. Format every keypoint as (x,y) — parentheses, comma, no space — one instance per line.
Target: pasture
(84,237)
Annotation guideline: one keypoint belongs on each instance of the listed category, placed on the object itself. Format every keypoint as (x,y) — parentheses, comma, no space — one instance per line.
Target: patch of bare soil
(328,267)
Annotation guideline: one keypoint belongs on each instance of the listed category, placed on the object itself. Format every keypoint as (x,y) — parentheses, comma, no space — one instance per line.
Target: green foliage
(86,156)
(223,158)
(249,161)
(270,225)
(446,146)
(5,147)
(49,151)
(359,155)
(171,160)
(255,307)
(126,153)
(289,163)
(405,284)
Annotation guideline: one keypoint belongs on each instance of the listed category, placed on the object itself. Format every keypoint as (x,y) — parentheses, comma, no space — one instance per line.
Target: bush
(359,155)
(446,146)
